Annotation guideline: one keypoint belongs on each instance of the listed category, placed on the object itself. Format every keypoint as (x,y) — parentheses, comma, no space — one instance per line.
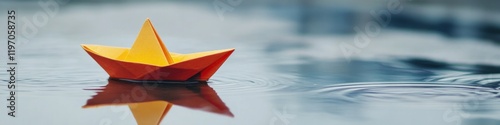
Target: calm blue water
(275,76)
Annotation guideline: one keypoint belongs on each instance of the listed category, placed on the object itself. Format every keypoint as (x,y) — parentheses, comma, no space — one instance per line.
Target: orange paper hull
(201,68)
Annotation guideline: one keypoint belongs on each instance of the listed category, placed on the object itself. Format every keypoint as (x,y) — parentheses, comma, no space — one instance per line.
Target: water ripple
(247,83)
(485,80)
(412,92)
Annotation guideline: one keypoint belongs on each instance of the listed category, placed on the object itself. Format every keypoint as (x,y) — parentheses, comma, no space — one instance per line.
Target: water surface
(275,76)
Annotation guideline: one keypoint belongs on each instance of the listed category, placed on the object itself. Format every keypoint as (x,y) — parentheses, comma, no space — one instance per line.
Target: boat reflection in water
(150,102)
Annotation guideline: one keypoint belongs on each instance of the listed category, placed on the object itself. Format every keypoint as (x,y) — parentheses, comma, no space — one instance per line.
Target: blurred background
(321,62)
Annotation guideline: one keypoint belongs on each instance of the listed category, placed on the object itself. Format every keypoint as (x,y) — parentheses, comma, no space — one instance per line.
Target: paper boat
(149,103)
(149,59)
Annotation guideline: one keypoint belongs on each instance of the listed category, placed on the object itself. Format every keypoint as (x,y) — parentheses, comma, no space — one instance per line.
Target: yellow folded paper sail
(149,59)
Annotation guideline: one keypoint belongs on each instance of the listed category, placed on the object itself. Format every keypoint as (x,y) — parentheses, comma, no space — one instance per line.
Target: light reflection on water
(150,102)
(271,75)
